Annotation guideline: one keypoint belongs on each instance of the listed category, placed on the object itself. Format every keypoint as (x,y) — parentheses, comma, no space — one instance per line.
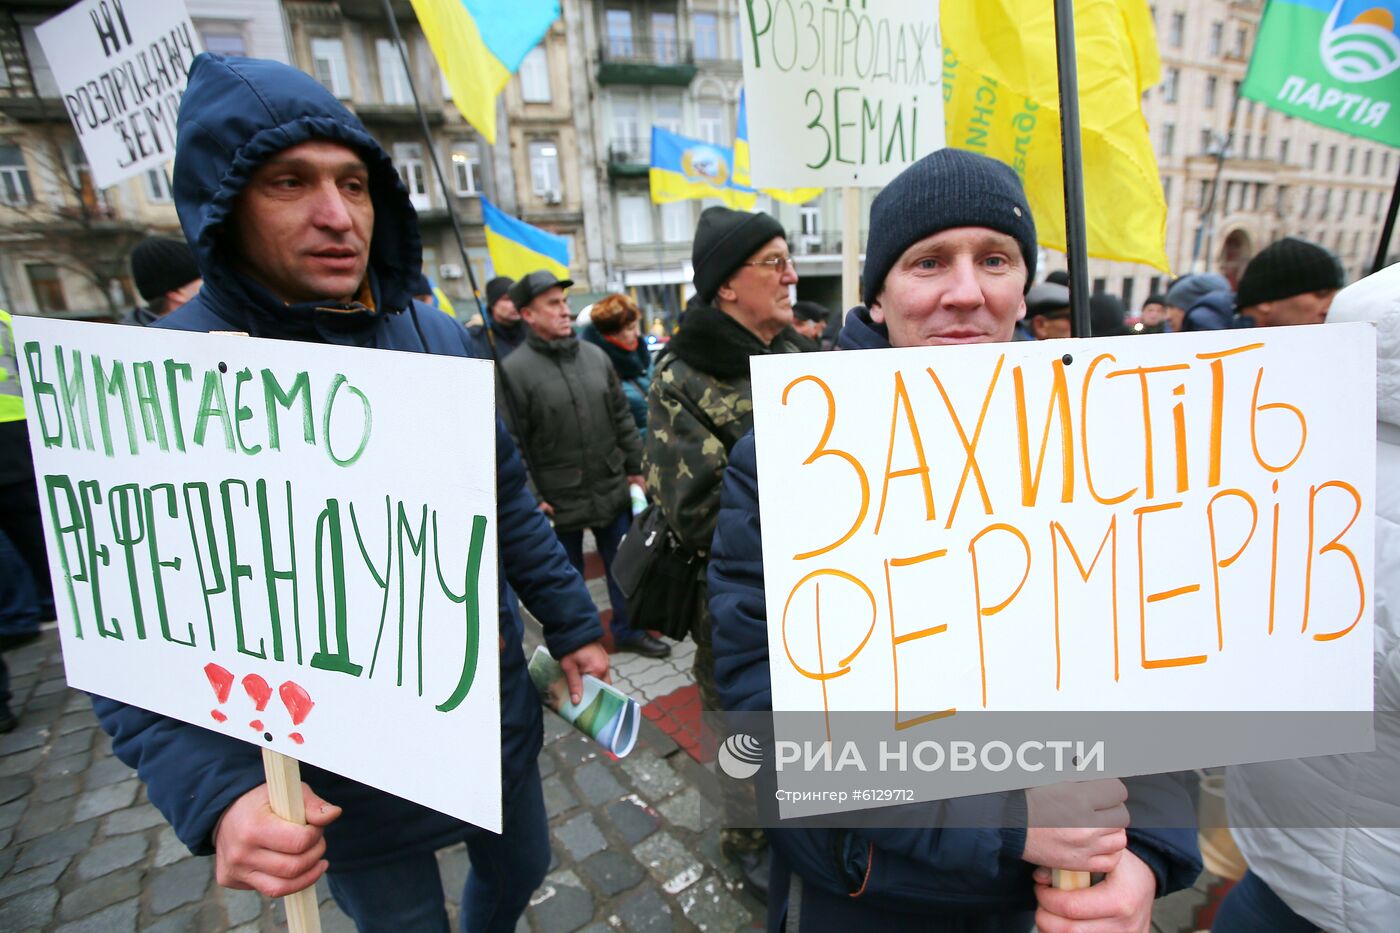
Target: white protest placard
(841,94)
(1176,523)
(292,544)
(121,67)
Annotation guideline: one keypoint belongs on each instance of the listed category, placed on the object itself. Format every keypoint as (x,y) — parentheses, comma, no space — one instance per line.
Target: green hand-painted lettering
(470,596)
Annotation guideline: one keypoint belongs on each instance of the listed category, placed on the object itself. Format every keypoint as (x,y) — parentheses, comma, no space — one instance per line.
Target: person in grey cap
(1290,281)
(1201,301)
(581,443)
(1047,311)
(165,273)
(951,252)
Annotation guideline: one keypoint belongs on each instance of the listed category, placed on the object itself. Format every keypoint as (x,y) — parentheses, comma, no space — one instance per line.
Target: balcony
(625,60)
(629,158)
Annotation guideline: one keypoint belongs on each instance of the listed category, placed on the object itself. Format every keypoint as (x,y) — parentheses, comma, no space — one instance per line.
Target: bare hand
(638,482)
(1121,903)
(546,508)
(256,849)
(1077,826)
(592,658)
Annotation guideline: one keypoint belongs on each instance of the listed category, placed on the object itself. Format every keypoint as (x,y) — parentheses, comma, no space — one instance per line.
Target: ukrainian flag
(741,163)
(683,168)
(479,44)
(517,249)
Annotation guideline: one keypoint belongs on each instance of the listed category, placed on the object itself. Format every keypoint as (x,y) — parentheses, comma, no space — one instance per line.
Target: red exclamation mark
(298,703)
(222,682)
(260,692)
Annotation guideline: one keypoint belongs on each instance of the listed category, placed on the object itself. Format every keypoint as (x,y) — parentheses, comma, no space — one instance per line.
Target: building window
(1202,199)
(1307,204)
(1361,208)
(1281,200)
(1167,190)
(627,138)
(666,112)
(1283,151)
(15,187)
(1207,141)
(157,187)
(393,79)
(1246,145)
(544,170)
(4,72)
(328,64)
(712,124)
(1346,202)
(1177,33)
(1385,162)
(706,28)
(1312,155)
(1331,158)
(1351,160)
(1100,286)
(1259,187)
(1128,292)
(1173,78)
(634,219)
(619,25)
(1366,162)
(408,159)
(466,167)
(1241,40)
(224,42)
(676,225)
(47,288)
(1212,82)
(1217,38)
(1326,205)
(534,77)
(665,40)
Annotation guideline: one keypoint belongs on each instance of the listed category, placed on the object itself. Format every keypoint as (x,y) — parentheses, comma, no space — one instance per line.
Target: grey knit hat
(1189,289)
(945,189)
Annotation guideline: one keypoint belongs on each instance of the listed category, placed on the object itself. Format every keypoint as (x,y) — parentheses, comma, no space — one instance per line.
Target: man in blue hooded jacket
(951,253)
(303,231)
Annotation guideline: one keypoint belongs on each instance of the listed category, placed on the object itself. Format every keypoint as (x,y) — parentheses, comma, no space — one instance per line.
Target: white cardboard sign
(841,94)
(1174,523)
(121,68)
(292,544)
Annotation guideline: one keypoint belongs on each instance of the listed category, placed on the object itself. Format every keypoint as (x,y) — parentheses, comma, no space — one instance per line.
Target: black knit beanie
(724,239)
(1287,268)
(496,288)
(945,189)
(161,265)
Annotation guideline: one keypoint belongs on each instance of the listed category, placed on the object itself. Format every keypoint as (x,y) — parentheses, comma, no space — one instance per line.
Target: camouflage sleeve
(684,464)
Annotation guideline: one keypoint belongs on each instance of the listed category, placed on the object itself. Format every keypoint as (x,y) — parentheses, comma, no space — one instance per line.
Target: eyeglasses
(776,263)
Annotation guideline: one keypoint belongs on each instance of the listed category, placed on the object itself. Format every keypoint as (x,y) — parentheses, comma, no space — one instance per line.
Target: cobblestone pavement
(635,842)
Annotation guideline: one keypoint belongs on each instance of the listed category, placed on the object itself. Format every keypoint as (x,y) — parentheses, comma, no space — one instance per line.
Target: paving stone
(178,884)
(106,800)
(100,894)
(34,878)
(453,865)
(132,820)
(646,912)
(576,749)
(254,928)
(58,788)
(23,738)
(596,928)
(580,837)
(632,818)
(15,786)
(611,872)
(107,771)
(7,854)
(12,813)
(78,702)
(63,844)
(711,907)
(689,810)
(558,798)
(20,763)
(559,907)
(44,818)
(60,767)
(72,722)
(654,777)
(73,743)
(241,906)
(110,855)
(30,911)
(555,726)
(52,685)
(119,918)
(169,849)
(597,784)
(185,921)
(669,862)
(547,765)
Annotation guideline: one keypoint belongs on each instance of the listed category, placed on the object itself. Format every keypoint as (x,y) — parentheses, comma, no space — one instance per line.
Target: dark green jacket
(575,429)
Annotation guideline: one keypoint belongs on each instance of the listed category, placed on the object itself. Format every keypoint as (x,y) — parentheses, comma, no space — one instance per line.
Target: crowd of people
(298,228)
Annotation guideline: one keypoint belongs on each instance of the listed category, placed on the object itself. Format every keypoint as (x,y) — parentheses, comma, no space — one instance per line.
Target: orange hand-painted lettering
(822,450)
(970,447)
(901,402)
(1333,546)
(896,640)
(1144,597)
(977,591)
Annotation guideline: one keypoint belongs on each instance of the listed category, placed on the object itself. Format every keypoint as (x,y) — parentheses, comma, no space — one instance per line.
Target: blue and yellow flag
(517,249)
(683,168)
(479,44)
(741,163)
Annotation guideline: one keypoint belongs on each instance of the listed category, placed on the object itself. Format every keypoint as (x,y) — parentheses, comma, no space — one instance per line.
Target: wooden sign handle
(284,794)
(1068,880)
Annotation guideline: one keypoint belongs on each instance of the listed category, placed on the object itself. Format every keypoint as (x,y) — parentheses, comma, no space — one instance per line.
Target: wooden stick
(850,248)
(284,794)
(1068,880)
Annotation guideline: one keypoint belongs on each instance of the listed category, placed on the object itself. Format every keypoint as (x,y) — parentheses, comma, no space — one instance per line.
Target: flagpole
(1072,157)
(1387,228)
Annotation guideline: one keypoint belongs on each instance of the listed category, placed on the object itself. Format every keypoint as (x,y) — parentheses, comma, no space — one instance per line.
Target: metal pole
(1387,228)
(1072,155)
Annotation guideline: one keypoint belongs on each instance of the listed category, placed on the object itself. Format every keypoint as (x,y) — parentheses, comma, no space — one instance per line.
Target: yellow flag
(1002,99)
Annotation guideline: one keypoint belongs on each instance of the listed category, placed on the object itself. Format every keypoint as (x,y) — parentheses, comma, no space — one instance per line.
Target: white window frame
(394,86)
(634,226)
(711,127)
(157,186)
(413,171)
(16,187)
(544,168)
(534,77)
(665,31)
(705,27)
(677,225)
(466,168)
(328,65)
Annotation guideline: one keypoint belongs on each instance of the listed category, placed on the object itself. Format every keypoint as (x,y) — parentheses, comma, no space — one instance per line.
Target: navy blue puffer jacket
(236,113)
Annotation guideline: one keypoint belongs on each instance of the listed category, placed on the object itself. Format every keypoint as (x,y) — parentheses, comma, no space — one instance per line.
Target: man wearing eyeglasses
(701,403)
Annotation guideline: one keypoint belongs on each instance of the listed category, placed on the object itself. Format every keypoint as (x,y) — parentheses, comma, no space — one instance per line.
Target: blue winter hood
(237,113)
(859,332)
